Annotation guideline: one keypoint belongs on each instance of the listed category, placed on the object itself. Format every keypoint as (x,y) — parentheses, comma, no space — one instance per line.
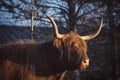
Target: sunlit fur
(46,61)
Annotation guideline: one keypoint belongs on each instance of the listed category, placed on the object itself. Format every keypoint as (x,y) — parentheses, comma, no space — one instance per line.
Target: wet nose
(86,62)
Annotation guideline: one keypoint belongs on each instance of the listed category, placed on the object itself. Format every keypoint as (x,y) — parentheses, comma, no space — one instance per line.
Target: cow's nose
(86,62)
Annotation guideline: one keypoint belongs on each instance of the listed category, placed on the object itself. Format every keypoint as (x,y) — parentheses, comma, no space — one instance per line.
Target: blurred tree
(113,10)
(75,13)
(27,12)
(22,9)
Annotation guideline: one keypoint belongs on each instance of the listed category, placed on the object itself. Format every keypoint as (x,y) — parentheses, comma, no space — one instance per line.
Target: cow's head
(73,46)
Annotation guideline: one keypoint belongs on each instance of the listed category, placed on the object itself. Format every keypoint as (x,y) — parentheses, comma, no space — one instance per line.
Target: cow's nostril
(84,61)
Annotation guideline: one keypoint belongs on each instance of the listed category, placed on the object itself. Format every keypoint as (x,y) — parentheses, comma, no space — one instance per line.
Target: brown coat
(46,61)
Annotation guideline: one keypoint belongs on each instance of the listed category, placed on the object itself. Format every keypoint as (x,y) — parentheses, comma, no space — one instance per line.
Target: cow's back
(29,61)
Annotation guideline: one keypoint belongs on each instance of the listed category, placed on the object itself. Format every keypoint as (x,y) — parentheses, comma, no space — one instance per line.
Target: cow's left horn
(88,37)
(56,33)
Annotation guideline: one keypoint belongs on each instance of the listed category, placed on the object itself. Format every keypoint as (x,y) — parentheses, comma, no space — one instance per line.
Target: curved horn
(88,37)
(56,33)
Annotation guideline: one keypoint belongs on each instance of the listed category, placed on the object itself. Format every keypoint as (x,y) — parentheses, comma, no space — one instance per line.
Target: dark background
(25,19)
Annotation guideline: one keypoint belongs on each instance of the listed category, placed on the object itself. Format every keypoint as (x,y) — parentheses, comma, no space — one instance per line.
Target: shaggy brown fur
(46,61)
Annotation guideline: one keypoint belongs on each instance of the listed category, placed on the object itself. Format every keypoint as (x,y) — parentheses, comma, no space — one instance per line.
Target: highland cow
(45,61)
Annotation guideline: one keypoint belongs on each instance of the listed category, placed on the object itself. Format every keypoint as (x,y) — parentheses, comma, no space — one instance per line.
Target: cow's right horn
(89,37)
(56,33)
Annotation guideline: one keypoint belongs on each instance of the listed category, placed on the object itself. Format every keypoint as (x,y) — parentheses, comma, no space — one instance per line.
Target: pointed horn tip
(101,22)
(101,19)
(48,16)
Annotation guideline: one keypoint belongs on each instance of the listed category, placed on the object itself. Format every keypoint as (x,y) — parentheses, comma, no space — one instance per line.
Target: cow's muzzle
(84,64)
